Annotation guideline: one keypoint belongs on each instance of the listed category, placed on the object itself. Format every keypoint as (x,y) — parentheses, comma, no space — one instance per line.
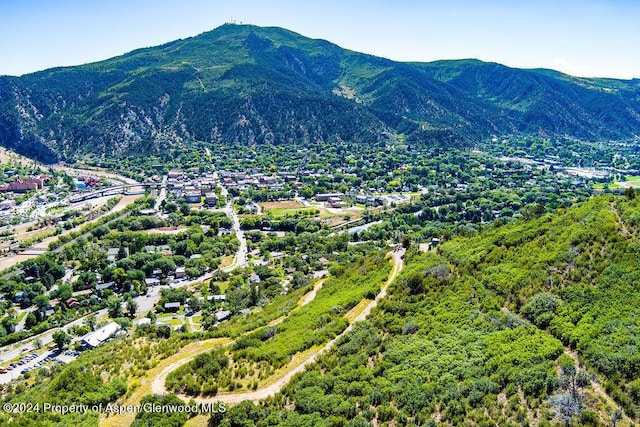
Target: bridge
(112,191)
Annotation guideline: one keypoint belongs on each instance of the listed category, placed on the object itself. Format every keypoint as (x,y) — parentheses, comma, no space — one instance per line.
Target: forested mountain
(241,84)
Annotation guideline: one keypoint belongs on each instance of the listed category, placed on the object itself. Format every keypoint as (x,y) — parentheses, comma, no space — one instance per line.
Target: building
(180,272)
(222,315)
(27,184)
(211,199)
(103,286)
(142,322)
(152,281)
(434,242)
(192,197)
(100,336)
(336,202)
(172,307)
(325,197)
(113,253)
(175,174)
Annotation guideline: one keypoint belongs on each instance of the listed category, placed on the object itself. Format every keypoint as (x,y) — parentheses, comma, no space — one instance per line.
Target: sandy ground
(9,156)
(94,172)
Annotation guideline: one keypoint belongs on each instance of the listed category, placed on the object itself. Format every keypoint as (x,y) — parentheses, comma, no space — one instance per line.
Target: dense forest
(242,85)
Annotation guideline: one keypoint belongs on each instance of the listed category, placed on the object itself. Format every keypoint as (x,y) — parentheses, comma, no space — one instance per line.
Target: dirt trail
(311,295)
(598,390)
(158,387)
(621,225)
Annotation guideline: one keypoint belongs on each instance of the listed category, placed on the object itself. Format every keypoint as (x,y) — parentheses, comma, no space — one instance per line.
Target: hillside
(531,323)
(239,85)
(534,323)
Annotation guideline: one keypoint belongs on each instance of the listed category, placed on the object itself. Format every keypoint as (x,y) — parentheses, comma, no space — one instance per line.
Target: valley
(295,234)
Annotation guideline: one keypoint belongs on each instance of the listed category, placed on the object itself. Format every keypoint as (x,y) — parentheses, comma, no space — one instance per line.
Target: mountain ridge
(241,84)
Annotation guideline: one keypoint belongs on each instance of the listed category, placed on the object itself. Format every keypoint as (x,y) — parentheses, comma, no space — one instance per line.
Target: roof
(172,305)
(221,315)
(102,286)
(101,335)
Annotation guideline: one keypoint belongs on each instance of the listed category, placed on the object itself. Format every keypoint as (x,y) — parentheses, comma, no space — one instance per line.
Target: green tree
(630,192)
(30,321)
(120,277)
(132,307)
(9,323)
(90,321)
(541,308)
(114,306)
(61,338)
(64,291)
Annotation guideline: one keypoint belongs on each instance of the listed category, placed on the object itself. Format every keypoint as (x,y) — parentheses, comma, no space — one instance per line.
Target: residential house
(211,199)
(222,315)
(180,272)
(151,281)
(172,307)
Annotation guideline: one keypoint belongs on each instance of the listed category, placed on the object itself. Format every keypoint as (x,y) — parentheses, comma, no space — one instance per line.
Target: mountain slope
(252,85)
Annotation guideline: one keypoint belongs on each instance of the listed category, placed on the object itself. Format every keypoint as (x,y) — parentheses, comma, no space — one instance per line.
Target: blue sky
(584,38)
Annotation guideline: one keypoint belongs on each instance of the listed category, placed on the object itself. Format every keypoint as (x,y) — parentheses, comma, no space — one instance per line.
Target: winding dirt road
(158,387)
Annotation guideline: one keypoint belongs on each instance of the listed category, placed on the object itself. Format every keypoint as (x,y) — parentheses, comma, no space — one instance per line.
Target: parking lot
(33,361)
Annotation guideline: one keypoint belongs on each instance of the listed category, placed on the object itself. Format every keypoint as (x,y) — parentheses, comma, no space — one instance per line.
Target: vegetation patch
(254,357)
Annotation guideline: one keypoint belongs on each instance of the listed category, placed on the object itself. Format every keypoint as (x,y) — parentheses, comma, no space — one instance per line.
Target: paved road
(162,195)
(240,259)
(145,302)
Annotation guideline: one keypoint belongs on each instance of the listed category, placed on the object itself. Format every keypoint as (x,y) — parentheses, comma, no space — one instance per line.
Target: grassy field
(282,204)
(332,217)
(632,180)
(168,318)
(600,186)
(278,212)
(284,208)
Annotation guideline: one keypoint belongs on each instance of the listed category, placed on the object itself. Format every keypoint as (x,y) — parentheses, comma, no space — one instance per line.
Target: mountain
(240,84)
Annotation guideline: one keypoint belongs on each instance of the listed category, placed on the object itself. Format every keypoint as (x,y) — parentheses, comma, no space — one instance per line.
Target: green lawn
(600,186)
(278,212)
